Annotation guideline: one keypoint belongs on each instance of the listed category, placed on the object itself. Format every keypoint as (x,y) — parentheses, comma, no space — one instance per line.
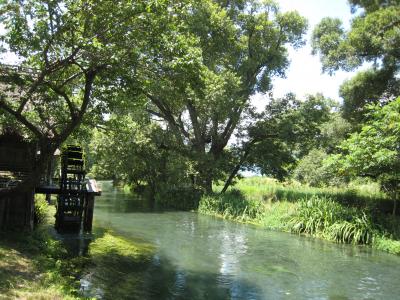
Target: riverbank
(36,265)
(355,216)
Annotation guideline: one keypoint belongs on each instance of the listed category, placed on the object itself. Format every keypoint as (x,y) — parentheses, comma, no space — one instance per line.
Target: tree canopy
(374,151)
(70,54)
(372,39)
(201,84)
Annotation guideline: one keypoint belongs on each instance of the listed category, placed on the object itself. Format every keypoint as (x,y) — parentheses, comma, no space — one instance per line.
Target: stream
(201,257)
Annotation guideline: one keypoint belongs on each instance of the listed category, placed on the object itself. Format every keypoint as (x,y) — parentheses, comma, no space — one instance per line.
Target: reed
(351,215)
(328,219)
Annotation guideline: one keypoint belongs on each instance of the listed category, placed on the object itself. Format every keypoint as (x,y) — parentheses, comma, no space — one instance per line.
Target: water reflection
(199,257)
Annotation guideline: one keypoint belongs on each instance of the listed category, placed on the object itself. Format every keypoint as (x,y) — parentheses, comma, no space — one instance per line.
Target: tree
(311,169)
(289,130)
(333,132)
(375,150)
(373,38)
(200,81)
(134,150)
(63,48)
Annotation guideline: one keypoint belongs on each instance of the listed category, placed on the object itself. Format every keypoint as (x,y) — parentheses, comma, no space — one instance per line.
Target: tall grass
(331,220)
(232,205)
(352,215)
(41,209)
(356,195)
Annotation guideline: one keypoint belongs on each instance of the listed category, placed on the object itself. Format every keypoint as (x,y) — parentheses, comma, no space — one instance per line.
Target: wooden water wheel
(71,200)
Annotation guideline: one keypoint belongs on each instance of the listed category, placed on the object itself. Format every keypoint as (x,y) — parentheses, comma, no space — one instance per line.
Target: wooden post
(88,214)
(49,176)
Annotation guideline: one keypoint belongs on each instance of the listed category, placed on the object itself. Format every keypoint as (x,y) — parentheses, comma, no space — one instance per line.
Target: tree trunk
(230,178)
(208,185)
(205,180)
(396,195)
(237,167)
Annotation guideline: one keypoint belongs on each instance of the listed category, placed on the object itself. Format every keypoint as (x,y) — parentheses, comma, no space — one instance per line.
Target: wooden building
(16,162)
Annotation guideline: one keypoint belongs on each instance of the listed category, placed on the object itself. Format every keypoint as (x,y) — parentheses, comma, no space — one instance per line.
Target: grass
(357,215)
(263,188)
(34,265)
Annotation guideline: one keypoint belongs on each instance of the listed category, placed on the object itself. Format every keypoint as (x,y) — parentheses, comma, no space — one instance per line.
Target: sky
(304,75)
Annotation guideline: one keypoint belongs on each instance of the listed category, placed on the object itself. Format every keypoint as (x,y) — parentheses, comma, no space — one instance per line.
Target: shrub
(41,209)
(315,214)
(359,231)
(180,197)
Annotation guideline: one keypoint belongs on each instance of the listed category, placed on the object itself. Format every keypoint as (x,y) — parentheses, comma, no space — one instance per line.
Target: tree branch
(21,119)
(167,115)
(71,106)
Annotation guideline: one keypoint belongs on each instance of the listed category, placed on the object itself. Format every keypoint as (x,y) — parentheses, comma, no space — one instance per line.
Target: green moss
(116,266)
(33,265)
(114,246)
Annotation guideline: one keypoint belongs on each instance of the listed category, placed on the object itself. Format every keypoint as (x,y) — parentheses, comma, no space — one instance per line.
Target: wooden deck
(91,188)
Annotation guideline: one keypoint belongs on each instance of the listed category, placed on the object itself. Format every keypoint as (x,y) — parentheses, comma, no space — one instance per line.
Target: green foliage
(316,214)
(311,170)
(41,209)
(138,152)
(367,87)
(267,189)
(333,132)
(70,59)
(372,33)
(374,151)
(387,244)
(287,132)
(200,87)
(373,38)
(324,217)
(337,215)
(232,205)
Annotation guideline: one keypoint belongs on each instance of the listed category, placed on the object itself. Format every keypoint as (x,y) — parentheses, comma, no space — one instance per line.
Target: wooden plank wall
(17,210)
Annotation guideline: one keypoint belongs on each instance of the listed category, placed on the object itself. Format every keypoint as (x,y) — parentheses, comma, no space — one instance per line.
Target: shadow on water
(114,276)
(77,244)
(160,279)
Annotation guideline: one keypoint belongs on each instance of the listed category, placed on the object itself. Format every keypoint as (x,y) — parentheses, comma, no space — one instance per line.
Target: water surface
(200,257)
